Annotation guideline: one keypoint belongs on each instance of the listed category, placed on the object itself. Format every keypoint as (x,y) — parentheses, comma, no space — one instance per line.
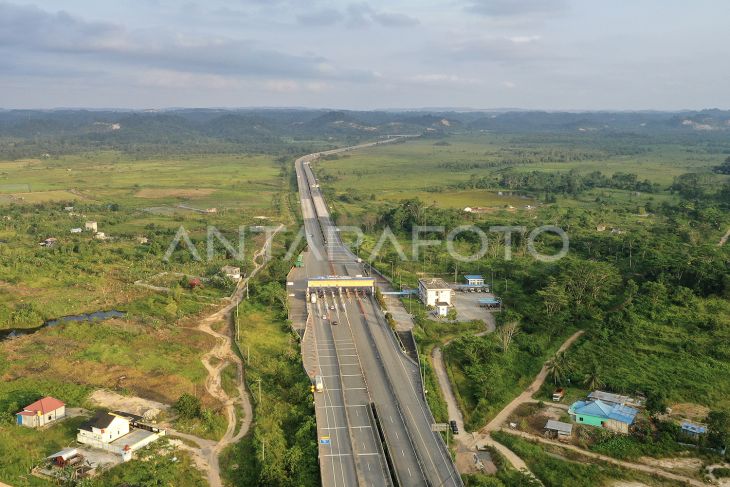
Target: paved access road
(361,364)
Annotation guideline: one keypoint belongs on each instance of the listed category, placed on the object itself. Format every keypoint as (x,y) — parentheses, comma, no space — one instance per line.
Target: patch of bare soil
(623,483)
(129,404)
(686,464)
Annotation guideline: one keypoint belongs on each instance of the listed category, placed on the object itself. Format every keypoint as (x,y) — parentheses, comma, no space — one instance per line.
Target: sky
(371,54)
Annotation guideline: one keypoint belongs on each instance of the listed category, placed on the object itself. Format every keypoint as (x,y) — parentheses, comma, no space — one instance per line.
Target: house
(442,309)
(558,429)
(49,242)
(41,412)
(432,291)
(91,226)
(143,240)
(76,230)
(100,236)
(103,428)
(211,210)
(232,272)
(117,432)
(614,417)
(601,228)
(474,280)
(68,208)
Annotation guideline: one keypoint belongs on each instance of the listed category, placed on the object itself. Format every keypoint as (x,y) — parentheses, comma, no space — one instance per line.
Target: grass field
(427,169)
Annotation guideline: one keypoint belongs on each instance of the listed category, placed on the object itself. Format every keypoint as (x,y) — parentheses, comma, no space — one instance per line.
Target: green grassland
(429,169)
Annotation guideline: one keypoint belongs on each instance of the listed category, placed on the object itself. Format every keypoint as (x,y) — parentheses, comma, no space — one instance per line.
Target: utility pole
(456,272)
(259,381)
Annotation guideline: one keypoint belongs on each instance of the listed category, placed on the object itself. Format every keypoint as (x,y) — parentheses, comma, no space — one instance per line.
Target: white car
(324,317)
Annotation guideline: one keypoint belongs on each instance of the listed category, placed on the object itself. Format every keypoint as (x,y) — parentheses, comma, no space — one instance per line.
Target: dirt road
(629,465)
(215,360)
(466,443)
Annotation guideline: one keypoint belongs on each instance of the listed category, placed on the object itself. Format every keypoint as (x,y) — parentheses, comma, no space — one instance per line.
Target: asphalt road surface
(361,363)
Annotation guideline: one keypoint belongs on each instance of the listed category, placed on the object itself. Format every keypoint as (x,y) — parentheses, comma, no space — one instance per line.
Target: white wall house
(102,429)
(432,291)
(91,226)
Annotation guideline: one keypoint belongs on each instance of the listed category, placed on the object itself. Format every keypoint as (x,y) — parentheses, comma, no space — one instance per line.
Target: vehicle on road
(332,307)
(324,317)
(318,383)
(454,427)
(335,322)
(312,298)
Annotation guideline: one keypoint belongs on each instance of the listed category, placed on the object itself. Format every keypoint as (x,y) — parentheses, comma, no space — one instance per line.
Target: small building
(64,457)
(91,226)
(558,429)
(232,272)
(442,309)
(211,210)
(432,291)
(612,398)
(41,412)
(100,236)
(614,417)
(474,279)
(76,230)
(143,240)
(601,228)
(68,208)
(49,242)
(695,431)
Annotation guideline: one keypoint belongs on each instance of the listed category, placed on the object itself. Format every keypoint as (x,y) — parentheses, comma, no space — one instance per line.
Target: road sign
(439,427)
(325,440)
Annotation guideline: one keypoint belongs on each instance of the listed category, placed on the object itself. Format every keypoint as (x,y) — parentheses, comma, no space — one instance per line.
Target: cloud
(502,50)
(327,16)
(363,14)
(62,37)
(513,8)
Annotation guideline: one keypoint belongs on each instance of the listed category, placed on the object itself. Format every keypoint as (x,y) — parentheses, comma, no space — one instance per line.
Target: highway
(362,364)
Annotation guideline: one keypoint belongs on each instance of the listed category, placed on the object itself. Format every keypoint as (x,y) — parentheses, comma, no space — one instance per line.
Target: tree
(592,379)
(506,333)
(559,367)
(723,168)
(718,429)
(656,402)
(187,406)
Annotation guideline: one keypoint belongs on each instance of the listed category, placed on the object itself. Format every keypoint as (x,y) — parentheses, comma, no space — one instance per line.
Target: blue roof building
(474,279)
(615,417)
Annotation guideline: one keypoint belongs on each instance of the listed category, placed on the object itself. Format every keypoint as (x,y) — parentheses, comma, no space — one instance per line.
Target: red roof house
(41,412)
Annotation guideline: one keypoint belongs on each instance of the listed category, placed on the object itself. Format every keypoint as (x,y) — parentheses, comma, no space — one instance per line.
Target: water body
(95,316)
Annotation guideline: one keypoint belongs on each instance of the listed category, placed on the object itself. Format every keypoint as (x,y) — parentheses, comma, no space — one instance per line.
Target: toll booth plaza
(341,284)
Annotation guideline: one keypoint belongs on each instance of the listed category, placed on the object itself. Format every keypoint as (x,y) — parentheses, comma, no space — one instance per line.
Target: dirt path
(629,465)
(724,238)
(215,360)
(466,443)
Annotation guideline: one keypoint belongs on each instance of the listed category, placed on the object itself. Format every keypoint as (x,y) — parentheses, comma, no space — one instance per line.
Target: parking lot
(468,309)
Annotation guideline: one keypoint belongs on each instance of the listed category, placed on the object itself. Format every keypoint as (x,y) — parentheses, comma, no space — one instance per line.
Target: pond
(10,333)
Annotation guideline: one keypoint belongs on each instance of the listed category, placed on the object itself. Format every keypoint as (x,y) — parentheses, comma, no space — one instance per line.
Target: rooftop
(610,397)
(45,405)
(473,276)
(434,283)
(559,426)
(600,409)
(100,420)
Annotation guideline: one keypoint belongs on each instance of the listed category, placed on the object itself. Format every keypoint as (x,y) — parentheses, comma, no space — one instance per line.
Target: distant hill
(28,133)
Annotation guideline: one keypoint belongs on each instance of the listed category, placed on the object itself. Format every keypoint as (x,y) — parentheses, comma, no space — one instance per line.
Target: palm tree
(559,367)
(592,379)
